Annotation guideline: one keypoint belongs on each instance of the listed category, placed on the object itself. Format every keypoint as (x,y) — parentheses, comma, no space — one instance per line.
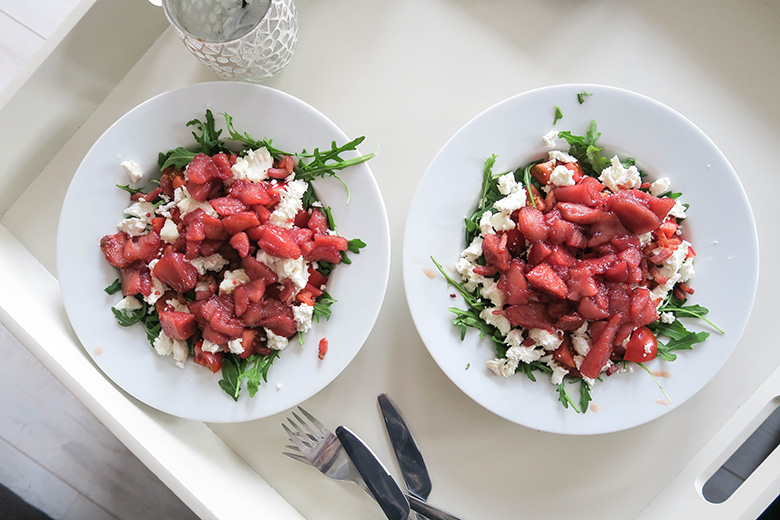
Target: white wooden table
(407,75)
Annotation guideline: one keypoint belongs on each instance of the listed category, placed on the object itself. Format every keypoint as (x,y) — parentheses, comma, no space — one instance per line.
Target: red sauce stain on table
(323,348)
(663,402)
(429,272)
(98,351)
(594,408)
(662,373)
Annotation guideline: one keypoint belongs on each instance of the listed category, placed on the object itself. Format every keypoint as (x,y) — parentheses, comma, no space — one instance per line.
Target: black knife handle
(429,511)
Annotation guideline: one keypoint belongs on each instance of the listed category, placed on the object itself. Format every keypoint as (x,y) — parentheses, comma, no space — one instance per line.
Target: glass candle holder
(245,40)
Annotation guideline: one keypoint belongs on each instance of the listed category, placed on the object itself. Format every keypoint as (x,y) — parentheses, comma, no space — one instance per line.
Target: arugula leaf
(322,306)
(529,368)
(592,137)
(470,318)
(585,149)
(249,141)
(128,317)
(490,194)
(329,215)
(310,165)
(678,308)
(128,189)
(582,95)
(658,384)
(565,398)
(257,368)
(152,326)
(115,286)
(527,181)
(253,369)
(209,135)
(179,158)
(325,268)
(355,245)
(558,114)
(585,397)
(488,185)
(472,299)
(231,382)
(328,162)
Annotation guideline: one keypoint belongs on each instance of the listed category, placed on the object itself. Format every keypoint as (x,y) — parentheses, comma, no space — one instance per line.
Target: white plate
(94,205)
(720,226)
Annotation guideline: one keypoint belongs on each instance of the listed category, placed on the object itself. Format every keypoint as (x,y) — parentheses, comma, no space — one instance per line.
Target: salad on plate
(225,258)
(576,266)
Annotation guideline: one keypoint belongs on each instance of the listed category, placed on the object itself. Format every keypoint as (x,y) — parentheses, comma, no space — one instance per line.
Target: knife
(408,455)
(378,480)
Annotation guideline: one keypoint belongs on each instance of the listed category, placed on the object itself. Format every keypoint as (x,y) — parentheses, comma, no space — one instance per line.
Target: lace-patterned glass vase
(245,40)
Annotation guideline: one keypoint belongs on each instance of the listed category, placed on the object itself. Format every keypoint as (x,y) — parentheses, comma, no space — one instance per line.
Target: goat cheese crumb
(678,210)
(562,176)
(557,155)
(550,138)
(660,186)
(236,346)
(667,317)
(290,204)
(133,171)
(497,320)
(128,303)
(511,202)
(502,367)
(186,204)
(233,279)
(275,342)
(502,222)
(133,226)
(253,166)
(213,262)
(546,340)
(558,372)
(164,345)
(293,269)
(302,314)
(158,288)
(210,346)
(169,232)
(507,184)
(474,250)
(485,226)
(524,354)
(616,177)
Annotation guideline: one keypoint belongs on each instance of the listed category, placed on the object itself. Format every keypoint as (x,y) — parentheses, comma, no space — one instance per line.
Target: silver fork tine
(303,423)
(297,456)
(302,435)
(296,440)
(315,422)
(291,447)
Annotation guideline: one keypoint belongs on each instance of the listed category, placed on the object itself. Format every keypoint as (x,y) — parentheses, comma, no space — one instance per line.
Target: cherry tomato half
(642,346)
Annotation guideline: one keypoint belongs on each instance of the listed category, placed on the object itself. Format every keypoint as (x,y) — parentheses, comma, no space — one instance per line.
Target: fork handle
(427,510)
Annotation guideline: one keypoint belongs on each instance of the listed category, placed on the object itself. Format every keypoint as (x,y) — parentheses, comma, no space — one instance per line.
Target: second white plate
(665,144)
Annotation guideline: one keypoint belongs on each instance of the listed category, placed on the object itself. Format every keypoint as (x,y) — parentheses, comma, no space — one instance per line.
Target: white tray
(408,75)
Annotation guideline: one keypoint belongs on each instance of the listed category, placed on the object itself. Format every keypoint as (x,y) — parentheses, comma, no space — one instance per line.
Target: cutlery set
(344,456)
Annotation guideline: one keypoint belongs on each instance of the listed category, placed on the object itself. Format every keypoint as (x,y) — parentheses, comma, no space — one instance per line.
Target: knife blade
(380,483)
(407,453)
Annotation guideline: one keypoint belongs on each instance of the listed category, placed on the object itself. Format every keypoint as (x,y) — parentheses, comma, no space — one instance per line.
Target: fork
(317,446)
